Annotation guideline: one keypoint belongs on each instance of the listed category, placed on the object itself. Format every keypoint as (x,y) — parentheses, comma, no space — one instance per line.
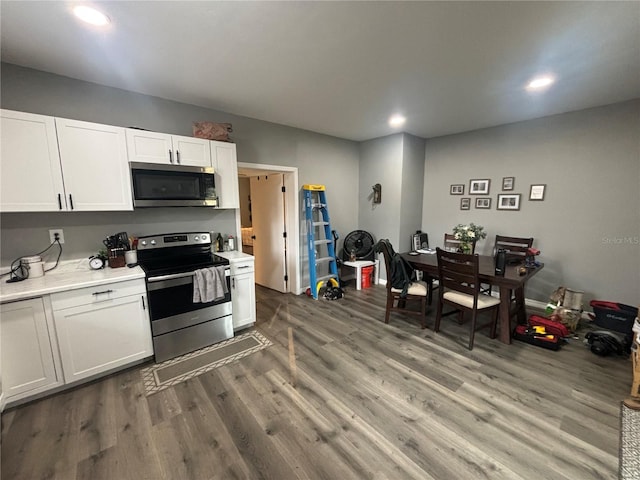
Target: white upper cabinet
(192,151)
(94,166)
(54,164)
(150,147)
(225,165)
(154,147)
(30,174)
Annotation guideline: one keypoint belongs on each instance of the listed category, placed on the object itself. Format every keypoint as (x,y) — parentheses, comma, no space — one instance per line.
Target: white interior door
(268,221)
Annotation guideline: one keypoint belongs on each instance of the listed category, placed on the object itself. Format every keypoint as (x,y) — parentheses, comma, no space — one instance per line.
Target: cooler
(614,316)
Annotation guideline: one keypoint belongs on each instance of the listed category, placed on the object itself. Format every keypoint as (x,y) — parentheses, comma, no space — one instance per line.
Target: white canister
(131,257)
(35,265)
(232,244)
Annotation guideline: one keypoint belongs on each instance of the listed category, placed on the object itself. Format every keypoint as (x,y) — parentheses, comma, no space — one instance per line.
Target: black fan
(360,243)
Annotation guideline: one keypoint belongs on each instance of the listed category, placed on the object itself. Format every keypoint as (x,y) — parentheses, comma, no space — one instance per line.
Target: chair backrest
(516,247)
(384,246)
(451,243)
(392,263)
(459,272)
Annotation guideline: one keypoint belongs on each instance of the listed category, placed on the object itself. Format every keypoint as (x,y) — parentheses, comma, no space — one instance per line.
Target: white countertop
(234,255)
(71,275)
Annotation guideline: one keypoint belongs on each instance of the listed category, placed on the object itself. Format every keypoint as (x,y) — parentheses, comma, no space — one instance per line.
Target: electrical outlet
(52,235)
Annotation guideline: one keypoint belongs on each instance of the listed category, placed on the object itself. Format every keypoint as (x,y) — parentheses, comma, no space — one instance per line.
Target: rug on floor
(171,372)
(629,444)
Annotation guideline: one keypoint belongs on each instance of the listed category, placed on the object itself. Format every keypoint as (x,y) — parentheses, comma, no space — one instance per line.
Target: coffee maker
(419,240)
(500,261)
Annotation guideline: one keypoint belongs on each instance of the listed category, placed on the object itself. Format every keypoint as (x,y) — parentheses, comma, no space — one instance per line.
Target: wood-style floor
(354,399)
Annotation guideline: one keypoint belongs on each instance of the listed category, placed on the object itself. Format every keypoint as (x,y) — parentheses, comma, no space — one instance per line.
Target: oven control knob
(144,243)
(204,238)
(196,238)
(153,242)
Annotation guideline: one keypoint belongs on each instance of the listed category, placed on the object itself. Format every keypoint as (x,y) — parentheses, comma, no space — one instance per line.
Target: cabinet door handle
(170,156)
(103,292)
(177,156)
(71,201)
(59,202)
(233,283)
(144,307)
(244,266)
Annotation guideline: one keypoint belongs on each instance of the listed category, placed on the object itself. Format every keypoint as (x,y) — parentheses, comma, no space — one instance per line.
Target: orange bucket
(366,275)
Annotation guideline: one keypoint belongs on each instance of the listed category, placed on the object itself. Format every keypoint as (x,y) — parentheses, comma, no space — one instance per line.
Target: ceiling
(342,68)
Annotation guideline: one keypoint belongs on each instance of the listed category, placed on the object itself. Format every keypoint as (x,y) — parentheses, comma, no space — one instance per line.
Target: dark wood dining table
(510,285)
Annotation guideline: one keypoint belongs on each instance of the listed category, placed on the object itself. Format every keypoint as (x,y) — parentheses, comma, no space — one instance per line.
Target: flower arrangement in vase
(467,234)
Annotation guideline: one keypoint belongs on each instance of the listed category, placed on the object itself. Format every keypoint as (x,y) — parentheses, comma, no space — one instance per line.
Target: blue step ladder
(322,255)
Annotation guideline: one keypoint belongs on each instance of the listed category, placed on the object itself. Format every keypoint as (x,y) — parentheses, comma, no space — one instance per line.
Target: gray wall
(397,163)
(412,188)
(28,233)
(319,158)
(587,227)
(381,162)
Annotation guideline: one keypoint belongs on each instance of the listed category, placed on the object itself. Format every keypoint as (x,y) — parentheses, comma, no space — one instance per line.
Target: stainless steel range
(179,325)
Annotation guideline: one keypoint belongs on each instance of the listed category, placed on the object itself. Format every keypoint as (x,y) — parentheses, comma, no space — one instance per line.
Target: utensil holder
(116,257)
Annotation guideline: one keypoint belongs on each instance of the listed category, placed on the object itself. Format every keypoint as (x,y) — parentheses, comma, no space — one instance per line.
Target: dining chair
(516,247)
(460,288)
(452,244)
(396,301)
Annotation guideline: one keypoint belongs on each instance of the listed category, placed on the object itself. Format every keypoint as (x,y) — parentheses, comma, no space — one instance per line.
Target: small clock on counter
(96,263)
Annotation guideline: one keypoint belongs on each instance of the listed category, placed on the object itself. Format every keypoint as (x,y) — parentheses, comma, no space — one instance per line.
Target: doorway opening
(275,233)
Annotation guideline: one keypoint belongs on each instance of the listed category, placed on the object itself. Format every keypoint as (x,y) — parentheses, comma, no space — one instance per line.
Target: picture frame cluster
(504,201)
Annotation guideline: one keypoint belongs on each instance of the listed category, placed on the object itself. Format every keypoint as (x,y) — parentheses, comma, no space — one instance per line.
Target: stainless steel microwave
(157,185)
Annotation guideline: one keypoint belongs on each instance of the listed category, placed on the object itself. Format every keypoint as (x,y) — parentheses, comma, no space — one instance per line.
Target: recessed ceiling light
(91,15)
(540,83)
(397,120)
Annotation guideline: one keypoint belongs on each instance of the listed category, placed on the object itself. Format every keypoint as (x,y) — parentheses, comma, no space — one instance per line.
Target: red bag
(525,334)
(551,326)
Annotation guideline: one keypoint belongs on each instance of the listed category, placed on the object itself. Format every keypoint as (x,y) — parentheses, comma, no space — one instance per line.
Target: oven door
(171,304)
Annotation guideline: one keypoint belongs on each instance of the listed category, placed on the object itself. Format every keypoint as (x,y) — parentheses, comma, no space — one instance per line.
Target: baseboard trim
(529,302)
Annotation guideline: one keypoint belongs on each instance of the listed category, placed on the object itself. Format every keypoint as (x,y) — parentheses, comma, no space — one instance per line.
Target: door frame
(292,208)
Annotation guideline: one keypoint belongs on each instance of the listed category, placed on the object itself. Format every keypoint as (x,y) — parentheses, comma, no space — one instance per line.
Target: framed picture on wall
(509,201)
(508,183)
(457,189)
(479,187)
(465,203)
(537,192)
(483,202)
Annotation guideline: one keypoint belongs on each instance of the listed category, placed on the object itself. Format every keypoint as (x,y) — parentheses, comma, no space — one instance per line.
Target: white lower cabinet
(243,293)
(29,349)
(101,328)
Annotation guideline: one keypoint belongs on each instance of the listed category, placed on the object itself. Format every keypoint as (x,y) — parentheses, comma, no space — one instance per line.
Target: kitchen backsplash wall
(24,234)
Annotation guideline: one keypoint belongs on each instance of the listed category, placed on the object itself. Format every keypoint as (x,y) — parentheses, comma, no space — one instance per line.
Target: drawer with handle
(98,293)
(242,266)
